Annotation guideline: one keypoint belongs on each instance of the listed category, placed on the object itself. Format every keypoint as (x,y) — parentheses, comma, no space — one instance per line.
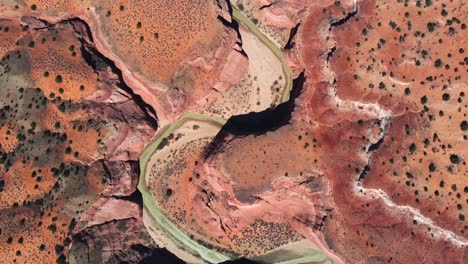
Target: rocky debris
(109,209)
(85,148)
(358,155)
(350,124)
(335,102)
(116,241)
(122,177)
(282,14)
(233,70)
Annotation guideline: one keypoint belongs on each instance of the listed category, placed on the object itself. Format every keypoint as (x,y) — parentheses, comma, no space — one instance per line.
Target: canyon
(265,131)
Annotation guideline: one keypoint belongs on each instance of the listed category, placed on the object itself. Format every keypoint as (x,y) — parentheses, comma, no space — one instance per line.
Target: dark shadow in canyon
(99,62)
(290,44)
(257,123)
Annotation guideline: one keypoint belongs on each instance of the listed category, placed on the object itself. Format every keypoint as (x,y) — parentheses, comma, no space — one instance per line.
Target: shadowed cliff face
(158,255)
(118,241)
(257,123)
(100,62)
(240,261)
(374,137)
(366,161)
(73,124)
(74,158)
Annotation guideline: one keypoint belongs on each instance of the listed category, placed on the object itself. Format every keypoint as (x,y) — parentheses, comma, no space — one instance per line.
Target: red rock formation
(370,167)
(80,129)
(114,241)
(372,135)
(371,218)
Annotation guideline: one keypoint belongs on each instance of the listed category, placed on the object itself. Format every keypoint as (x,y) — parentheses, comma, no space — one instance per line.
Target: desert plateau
(233,131)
